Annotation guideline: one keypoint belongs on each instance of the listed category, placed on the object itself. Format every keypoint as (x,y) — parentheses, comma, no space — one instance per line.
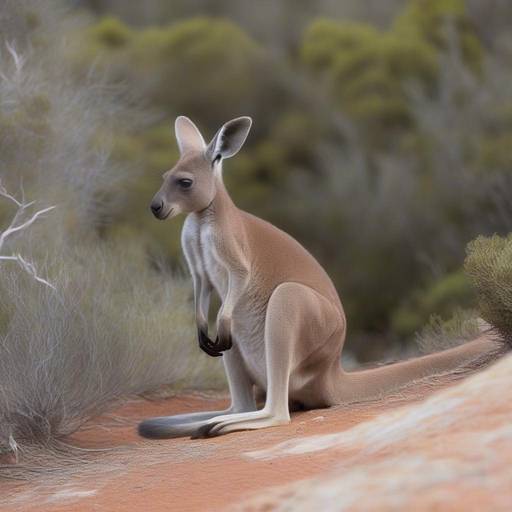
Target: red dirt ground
(181,474)
(448,450)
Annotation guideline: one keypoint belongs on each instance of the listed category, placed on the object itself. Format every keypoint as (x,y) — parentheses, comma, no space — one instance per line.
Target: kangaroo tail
(445,366)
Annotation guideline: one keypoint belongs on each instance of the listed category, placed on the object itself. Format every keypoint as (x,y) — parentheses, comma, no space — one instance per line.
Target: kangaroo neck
(221,208)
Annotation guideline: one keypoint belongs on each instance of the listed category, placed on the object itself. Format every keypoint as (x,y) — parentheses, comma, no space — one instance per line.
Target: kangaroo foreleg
(237,282)
(202,289)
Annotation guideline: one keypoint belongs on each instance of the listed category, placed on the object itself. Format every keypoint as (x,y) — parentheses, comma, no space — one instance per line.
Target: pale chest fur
(214,267)
(200,247)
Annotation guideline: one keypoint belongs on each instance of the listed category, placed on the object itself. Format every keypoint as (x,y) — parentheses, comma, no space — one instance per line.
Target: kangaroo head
(191,185)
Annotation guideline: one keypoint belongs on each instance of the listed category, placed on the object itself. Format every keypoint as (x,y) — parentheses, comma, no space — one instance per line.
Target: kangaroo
(281,325)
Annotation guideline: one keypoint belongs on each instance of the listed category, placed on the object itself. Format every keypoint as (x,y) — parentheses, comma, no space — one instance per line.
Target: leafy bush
(428,20)
(370,71)
(442,298)
(367,69)
(111,33)
(489,267)
(204,66)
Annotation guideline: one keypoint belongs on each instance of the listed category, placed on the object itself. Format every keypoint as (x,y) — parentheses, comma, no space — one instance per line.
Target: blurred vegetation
(380,136)
(380,140)
(366,70)
(439,333)
(489,266)
(445,295)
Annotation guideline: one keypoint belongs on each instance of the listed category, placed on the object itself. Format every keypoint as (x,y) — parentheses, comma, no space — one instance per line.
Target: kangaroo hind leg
(295,314)
(242,399)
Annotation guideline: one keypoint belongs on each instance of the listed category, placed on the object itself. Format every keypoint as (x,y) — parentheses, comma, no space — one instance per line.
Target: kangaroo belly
(218,276)
(216,272)
(249,335)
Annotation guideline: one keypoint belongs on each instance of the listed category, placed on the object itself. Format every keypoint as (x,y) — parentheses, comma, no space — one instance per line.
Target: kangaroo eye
(185,183)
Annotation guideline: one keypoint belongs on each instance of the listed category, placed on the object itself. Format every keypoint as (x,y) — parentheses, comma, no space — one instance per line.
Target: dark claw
(204,432)
(223,340)
(207,345)
(223,343)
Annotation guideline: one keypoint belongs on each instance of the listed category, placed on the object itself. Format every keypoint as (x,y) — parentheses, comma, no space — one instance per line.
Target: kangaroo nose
(156,207)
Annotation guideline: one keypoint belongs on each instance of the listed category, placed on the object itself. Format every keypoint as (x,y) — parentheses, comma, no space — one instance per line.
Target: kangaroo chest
(211,261)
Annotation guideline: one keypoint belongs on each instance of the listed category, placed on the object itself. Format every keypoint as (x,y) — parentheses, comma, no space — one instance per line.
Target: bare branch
(11,230)
(19,61)
(27,267)
(31,270)
(4,193)
(14,227)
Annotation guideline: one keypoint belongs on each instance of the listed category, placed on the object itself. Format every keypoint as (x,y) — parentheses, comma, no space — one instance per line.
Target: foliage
(370,71)
(442,298)
(111,33)
(367,69)
(170,63)
(489,267)
(439,334)
(428,20)
(111,328)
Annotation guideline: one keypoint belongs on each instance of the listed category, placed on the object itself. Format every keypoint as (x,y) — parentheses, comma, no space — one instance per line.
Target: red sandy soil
(181,474)
(405,454)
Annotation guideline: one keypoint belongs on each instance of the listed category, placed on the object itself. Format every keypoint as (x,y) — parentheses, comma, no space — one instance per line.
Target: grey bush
(111,328)
(112,325)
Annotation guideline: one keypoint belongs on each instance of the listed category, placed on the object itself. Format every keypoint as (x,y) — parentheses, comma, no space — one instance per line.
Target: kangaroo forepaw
(223,341)
(207,345)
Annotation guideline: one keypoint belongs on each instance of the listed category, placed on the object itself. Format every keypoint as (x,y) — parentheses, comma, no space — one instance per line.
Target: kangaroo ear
(229,139)
(188,136)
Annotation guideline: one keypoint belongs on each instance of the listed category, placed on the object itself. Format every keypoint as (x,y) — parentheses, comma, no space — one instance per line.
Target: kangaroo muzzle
(160,208)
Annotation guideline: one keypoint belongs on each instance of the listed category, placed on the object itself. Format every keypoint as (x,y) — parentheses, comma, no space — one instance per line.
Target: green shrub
(442,298)
(489,267)
(368,69)
(494,152)
(111,33)
(430,19)
(204,67)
